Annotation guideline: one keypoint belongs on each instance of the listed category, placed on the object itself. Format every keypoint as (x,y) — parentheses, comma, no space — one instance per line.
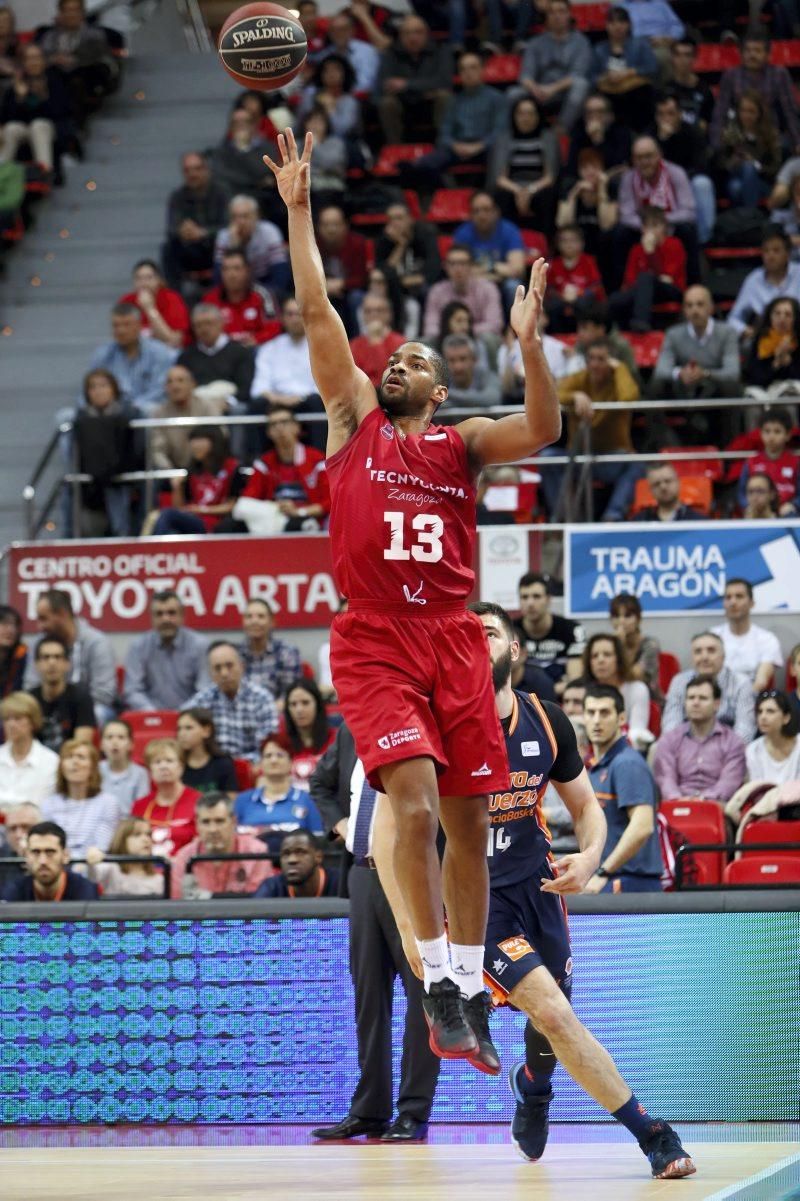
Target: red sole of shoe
(437,1050)
(482,1067)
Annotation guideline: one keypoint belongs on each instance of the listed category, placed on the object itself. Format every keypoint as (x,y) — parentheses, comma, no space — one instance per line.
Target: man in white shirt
(750,650)
(283,377)
(27,768)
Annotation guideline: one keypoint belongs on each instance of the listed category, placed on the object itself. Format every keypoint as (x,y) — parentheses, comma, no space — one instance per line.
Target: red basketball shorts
(420,686)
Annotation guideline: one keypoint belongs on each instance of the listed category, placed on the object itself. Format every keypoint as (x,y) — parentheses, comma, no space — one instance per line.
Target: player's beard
(501,671)
(398,403)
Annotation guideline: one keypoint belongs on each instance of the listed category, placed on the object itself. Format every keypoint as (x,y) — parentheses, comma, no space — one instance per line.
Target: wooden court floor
(573,1170)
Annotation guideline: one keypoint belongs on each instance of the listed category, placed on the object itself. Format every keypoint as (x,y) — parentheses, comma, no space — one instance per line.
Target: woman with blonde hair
(87,815)
(169,806)
(27,767)
(131,837)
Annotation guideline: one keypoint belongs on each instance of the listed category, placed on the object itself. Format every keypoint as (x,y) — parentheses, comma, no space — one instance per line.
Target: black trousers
(376,957)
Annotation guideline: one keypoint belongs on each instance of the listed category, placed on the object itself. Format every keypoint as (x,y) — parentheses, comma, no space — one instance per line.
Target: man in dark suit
(346,802)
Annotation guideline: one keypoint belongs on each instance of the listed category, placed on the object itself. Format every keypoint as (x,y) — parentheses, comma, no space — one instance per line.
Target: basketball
(262,46)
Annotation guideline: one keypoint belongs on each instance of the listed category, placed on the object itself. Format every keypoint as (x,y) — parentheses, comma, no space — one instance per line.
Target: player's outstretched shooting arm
(346,391)
(521,434)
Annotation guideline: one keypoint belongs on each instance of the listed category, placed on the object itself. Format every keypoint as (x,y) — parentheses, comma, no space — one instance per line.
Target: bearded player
(528,957)
(409,662)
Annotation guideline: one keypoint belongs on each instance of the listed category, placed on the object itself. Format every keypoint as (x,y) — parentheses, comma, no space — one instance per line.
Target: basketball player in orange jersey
(408,661)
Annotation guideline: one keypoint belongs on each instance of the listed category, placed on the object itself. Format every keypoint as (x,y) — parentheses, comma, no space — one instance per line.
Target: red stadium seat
(535,244)
(654,719)
(590,18)
(412,200)
(712,469)
(148,724)
(763,869)
(646,347)
(668,666)
(785,54)
(245,774)
(449,205)
(502,68)
(306,670)
(391,156)
(774,831)
(444,242)
(712,59)
(700,821)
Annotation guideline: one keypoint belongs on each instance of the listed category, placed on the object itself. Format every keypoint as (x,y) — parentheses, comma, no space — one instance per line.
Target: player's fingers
(274,168)
(308,146)
(520,294)
(282,148)
(292,145)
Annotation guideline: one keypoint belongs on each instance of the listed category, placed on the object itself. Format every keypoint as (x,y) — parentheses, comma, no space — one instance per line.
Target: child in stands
(776,461)
(655,272)
(573,282)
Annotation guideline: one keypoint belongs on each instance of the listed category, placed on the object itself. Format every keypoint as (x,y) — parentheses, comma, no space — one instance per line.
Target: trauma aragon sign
(111,582)
(681,568)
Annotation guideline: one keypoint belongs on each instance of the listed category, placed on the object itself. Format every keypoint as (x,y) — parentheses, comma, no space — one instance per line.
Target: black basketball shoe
(451,1036)
(476,1011)
(668,1159)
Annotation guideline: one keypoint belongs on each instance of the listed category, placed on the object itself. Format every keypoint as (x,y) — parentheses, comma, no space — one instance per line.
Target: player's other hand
(293,176)
(526,311)
(573,873)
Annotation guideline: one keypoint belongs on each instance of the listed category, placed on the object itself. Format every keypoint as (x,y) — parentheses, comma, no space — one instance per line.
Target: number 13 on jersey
(426,537)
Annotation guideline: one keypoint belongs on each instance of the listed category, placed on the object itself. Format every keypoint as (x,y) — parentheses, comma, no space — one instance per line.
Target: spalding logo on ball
(262,46)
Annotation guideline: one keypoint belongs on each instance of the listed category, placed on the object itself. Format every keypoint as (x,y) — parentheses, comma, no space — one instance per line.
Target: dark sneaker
(667,1157)
(476,1011)
(530,1125)
(451,1037)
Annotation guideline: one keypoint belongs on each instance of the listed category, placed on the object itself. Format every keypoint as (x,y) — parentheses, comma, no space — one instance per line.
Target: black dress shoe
(350,1127)
(405,1129)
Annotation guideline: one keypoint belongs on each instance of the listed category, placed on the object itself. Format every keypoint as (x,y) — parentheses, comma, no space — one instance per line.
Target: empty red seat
(700,822)
(245,774)
(535,244)
(148,724)
(444,242)
(763,869)
(714,59)
(685,465)
(774,831)
(449,205)
(391,156)
(646,347)
(590,18)
(668,666)
(502,68)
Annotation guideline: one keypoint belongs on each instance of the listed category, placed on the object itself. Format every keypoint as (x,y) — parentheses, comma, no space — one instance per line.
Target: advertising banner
(682,567)
(111,581)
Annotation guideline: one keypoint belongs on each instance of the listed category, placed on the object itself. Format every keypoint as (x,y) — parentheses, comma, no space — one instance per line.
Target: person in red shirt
(292,474)
(169,806)
(372,348)
(209,490)
(776,461)
(345,261)
(249,311)
(655,272)
(164,312)
(573,282)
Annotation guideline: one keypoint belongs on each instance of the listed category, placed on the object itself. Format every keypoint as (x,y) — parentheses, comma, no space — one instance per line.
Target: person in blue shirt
(138,364)
(624,786)
(276,807)
(496,244)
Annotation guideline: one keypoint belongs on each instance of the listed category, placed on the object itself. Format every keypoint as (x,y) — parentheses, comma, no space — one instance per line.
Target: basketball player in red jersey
(409,662)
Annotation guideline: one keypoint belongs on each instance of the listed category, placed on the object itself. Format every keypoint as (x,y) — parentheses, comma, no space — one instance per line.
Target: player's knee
(552,1016)
(416,821)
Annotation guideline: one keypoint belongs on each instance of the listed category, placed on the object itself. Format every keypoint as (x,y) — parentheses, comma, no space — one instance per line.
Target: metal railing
(689,849)
(575,496)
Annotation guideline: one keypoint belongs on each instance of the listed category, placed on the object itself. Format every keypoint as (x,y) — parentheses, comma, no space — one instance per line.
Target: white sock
(467,968)
(435,958)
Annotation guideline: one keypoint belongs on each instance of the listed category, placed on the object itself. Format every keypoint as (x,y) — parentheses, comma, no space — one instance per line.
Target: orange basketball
(262,46)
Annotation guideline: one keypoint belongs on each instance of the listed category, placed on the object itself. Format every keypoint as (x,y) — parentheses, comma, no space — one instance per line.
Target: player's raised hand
(526,310)
(293,176)
(573,873)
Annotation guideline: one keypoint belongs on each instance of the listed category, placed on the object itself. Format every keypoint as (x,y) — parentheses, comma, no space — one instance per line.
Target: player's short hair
(748,587)
(602,692)
(490,609)
(46,828)
(777,417)
(535,577)
(699,681)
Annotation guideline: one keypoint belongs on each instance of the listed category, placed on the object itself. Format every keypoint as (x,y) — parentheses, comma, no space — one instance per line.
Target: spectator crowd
(446,157)
(205,753)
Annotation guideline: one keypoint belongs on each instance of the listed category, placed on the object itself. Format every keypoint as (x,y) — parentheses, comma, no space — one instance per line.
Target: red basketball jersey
(403,517)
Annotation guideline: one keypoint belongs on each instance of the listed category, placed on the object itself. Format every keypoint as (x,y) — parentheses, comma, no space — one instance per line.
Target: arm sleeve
(743,302)
(135,695)
(313,819)
(101,675)
(324,784)
(639,708)
(635,784)
(685,204)
(667,362)
(730,371)
(673,709)
(734,769)
(567,764)
(664,770)
(745,720)
(627,204)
